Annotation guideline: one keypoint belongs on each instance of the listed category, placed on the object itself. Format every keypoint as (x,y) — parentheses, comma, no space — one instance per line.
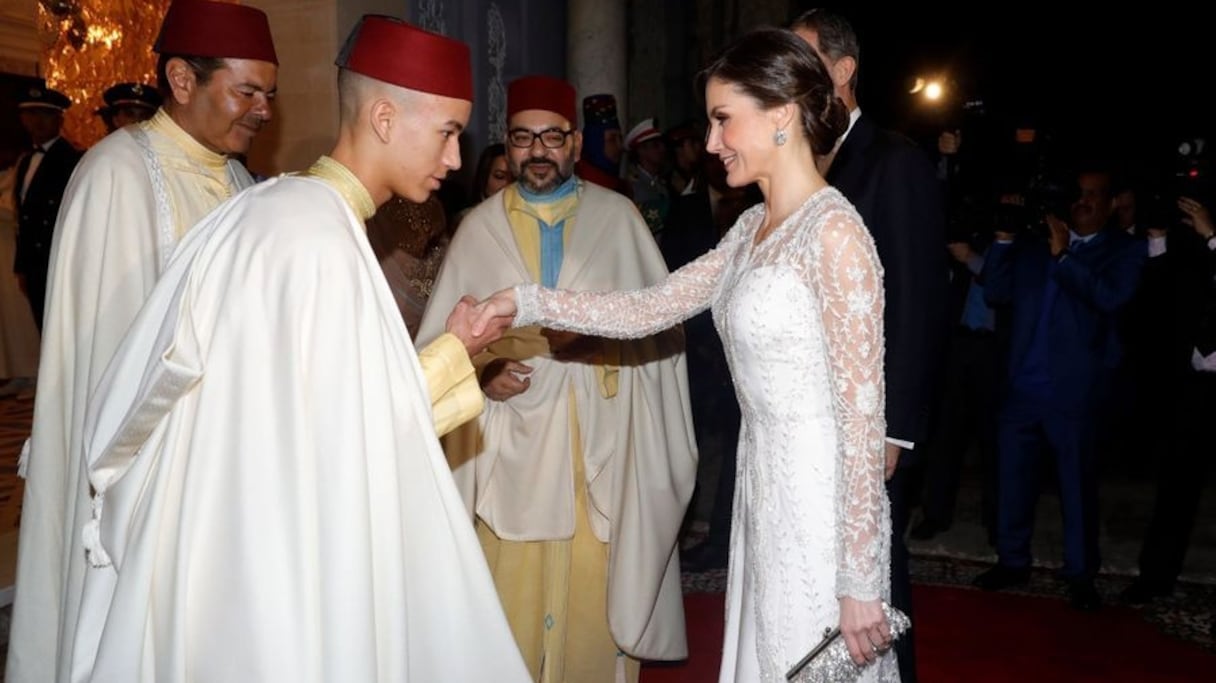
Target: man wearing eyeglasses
(583,557)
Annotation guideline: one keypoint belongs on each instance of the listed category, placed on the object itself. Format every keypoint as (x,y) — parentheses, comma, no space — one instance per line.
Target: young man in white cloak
(581,467)
(133,196)
(271,499)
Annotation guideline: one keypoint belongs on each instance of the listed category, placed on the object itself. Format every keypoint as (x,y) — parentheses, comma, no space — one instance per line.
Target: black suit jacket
(895,189)
(1186,309)
(36,215)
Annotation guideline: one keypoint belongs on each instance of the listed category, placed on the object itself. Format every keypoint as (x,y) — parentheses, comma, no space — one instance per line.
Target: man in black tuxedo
(894,186)
(42,175)
(1187,260)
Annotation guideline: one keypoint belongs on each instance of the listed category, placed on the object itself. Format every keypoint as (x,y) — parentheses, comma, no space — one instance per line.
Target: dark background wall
(12,136)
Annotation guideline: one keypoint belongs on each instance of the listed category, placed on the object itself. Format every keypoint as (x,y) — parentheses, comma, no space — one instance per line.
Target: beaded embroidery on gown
(800,316)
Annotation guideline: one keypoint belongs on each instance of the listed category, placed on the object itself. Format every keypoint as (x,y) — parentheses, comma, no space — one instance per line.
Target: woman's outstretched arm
(615,314)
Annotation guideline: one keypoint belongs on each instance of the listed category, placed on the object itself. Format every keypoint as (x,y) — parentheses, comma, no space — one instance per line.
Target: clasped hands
(477,325)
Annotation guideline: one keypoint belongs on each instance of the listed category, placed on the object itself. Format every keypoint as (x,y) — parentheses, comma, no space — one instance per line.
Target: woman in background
(492,175)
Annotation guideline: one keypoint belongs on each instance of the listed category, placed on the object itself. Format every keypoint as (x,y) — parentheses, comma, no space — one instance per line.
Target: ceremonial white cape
(130,199)
(271,492)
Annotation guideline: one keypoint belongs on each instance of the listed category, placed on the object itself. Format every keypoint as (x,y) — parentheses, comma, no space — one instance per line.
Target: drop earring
(779,138)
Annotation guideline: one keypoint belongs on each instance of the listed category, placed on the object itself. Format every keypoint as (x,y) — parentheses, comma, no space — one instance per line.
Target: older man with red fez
(290,516)
(132,197)
(581,466)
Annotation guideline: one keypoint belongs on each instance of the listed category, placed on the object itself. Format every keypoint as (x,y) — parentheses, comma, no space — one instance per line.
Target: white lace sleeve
(848,279)
(628,314)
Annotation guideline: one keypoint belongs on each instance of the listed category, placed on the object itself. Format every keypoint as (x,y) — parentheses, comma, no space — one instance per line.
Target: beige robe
(639,452)
(131,198)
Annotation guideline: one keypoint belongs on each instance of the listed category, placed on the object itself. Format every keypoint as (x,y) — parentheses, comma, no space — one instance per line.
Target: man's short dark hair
(836,36)
(203,67)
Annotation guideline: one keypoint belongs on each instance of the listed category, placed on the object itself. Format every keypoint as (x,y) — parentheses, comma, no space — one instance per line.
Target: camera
(1025,204)
(1187,173)
(1050,193)
(1191,170)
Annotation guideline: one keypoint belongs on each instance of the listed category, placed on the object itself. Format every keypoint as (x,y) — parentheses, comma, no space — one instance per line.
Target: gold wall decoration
(90,45)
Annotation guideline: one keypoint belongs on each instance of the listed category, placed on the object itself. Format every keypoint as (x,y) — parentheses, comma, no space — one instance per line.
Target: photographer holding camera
(1063,290)
(1189,257)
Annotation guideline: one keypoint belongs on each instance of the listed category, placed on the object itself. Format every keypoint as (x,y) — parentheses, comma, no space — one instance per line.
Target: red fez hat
(201,28)
(542,92)
(389,49)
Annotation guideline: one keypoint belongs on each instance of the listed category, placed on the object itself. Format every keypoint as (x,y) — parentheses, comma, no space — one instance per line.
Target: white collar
(853,116)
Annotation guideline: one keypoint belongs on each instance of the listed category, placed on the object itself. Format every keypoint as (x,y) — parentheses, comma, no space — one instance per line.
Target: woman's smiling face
(740,132)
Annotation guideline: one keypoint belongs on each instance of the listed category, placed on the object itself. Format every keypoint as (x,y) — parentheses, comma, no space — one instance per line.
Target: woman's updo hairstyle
(774,67)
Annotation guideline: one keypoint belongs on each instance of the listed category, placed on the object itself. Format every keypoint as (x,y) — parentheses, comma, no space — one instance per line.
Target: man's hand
(960,251)
(464,317)
(893,451)
(572,347)
(948,142)
(1197,216)
(497,307)
(503,378)
(1059,235)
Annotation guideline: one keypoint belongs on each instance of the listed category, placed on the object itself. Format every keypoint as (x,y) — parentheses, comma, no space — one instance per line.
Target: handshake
(477,325)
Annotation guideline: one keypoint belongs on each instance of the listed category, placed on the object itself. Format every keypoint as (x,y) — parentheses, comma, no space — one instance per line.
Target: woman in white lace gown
(796,293)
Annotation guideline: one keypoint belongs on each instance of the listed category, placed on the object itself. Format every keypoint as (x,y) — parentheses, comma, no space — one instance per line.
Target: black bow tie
(38,150)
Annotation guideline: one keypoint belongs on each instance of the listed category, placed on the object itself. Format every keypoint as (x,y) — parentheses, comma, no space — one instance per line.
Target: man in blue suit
(1063,293)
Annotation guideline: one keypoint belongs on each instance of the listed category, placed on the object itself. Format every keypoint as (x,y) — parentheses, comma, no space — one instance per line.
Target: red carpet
(967,635)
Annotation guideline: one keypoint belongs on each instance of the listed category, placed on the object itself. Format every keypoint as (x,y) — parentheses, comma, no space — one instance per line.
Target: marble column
(649,51)
(597,50)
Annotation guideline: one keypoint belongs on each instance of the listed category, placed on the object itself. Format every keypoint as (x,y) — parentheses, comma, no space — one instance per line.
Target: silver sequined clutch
(830,662)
